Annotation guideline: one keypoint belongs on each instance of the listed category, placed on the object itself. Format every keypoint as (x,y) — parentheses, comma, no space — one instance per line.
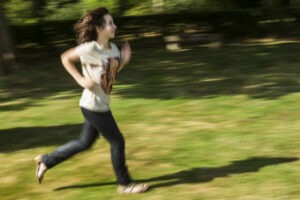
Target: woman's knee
(85,145)
(118,143)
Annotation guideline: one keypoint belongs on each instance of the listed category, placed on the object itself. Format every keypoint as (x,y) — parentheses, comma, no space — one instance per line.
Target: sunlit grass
(199,124)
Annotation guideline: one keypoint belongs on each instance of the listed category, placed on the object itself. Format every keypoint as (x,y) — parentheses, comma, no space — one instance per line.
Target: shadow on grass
(35,82)
(33,137)
(201,175)
(257,71)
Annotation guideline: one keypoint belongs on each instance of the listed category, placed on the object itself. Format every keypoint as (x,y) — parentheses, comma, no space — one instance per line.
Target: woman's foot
(133,188)
(40,168)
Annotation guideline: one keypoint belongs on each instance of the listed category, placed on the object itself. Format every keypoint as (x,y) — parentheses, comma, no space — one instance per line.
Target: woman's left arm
(125,55)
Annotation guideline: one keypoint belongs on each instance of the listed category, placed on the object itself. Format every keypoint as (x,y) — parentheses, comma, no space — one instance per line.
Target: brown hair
(86,26)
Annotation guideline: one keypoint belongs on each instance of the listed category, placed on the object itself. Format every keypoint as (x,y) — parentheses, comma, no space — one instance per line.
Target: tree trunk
(3,70)
(7,56)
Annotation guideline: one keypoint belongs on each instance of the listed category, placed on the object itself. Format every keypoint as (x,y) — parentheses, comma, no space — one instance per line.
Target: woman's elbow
(64,57)
(69,56)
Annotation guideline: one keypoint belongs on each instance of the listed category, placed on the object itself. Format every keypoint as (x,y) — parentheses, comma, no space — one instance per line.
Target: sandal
(133,188)
(41,168)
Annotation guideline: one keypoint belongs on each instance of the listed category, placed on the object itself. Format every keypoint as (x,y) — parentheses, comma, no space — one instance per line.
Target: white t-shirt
(100,65)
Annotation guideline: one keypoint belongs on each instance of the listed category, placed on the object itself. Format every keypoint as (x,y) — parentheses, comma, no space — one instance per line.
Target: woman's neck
(104,42)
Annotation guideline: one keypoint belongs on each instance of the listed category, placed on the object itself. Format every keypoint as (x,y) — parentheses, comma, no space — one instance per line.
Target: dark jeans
(95,123)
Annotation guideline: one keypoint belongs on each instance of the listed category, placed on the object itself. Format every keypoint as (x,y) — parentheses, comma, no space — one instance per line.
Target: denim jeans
(95,123)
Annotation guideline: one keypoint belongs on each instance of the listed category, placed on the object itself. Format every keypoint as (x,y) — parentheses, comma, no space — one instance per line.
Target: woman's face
(109,28)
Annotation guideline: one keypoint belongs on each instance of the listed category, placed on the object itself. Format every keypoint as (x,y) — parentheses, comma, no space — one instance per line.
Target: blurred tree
(267,3)
(123,6)
(295,2)
(134,7)
(38,8)
(282,3)
(66,2)
(18,11)
(40,11)
(158,5)
(247,4)
(7,56)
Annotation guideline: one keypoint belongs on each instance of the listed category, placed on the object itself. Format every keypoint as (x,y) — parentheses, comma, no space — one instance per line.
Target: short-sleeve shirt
(101,66)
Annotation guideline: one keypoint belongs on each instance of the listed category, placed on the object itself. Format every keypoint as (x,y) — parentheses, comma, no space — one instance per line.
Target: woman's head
(92,22)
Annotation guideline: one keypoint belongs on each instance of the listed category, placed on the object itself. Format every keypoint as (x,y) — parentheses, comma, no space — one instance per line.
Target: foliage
(70,11)
(19,11)
(25,11)
(230,24)
(22,11)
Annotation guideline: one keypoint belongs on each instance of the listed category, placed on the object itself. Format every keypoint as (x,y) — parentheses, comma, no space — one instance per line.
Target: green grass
(199,124)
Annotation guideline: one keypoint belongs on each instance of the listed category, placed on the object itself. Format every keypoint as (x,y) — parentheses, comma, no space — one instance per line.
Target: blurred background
(29,25)
(209,103)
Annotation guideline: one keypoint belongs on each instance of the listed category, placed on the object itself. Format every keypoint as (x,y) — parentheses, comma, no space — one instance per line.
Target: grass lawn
(211,124)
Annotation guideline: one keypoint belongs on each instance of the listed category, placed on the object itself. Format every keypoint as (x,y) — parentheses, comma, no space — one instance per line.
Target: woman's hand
(86,83)
(125,54)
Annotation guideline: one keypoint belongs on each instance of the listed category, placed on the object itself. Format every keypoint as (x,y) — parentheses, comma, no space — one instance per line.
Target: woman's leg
(105,123)
(85,141)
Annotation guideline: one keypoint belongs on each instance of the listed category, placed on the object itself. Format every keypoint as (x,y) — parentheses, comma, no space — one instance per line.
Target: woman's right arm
(69,58)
